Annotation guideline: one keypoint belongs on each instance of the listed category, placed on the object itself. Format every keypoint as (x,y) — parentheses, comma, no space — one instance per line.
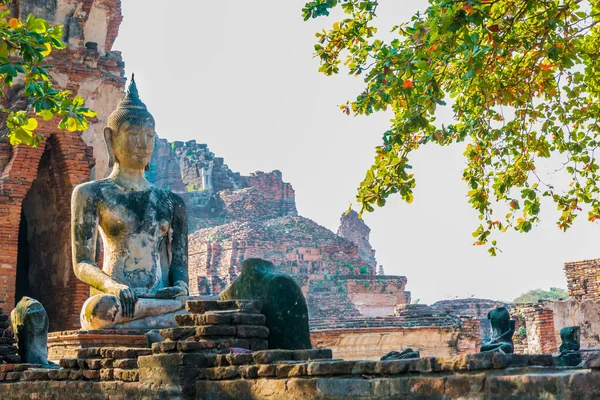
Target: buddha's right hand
(128,299)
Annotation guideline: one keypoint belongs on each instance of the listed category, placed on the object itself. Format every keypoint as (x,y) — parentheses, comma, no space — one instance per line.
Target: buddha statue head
(129,134)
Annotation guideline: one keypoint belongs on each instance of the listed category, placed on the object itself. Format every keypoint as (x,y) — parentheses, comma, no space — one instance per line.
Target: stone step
(220,318)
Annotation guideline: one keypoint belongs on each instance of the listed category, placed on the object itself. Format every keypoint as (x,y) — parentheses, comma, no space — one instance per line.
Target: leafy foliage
(522,79)
(533,296)
(23,47)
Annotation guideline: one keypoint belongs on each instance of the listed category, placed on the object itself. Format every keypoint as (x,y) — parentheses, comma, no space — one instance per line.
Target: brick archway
(37,183)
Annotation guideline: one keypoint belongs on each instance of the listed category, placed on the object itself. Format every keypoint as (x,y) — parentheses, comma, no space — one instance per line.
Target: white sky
(239,75)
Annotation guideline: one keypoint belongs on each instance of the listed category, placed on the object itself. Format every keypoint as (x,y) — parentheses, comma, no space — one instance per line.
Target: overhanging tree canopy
(24,45)
(524,81)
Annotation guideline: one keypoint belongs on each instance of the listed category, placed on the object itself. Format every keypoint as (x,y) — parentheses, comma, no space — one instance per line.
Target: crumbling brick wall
(538,322)
(583,279)
(96,73)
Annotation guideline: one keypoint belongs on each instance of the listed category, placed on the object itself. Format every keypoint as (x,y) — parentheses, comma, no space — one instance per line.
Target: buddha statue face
(133,143)
(130,132)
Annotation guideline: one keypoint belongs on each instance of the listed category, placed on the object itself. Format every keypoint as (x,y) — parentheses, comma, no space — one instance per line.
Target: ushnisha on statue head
(129,134)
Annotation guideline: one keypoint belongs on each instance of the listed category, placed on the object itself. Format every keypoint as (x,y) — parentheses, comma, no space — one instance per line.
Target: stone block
(174,359)
(91,375)
(94,363)
(291,370)
(240,359)
(186,320)
(13,376)
(427,386)
(176,334)
(392,367)
(127,375)
(201,345)
(249,371)
(330,367)
(267,371)
(75,374)
(464,386)
(69,363)
(126,363)
(343,388)
(214,330)
(252,331)
(272,356)
(164,347)
(89,352)
(248,319)
(213,318)
(59,374)
(480,361)
(364,368)
(36,374)
(122,352)
(107,374)
(220,373)
(510,360)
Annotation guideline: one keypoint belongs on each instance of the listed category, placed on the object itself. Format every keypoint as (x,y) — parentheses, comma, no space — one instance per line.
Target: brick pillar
(16,180)
(469,340)
(539,324)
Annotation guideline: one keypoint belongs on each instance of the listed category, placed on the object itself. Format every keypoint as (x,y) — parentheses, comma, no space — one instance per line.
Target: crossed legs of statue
(104,311)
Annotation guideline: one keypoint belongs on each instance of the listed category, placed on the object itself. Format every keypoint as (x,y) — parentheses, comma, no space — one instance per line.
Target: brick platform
(67,343)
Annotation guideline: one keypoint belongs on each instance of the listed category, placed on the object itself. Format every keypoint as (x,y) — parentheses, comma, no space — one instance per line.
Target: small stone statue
(30,326)
(503,329)
(143,228)
(401,355)
(570,355)
(284,305)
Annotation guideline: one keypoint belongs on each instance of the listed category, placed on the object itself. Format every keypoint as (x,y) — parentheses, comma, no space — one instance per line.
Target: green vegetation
(522,79)
(533,296)
(24,45)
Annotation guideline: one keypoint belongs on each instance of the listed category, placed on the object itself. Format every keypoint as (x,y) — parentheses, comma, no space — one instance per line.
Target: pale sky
(239,75)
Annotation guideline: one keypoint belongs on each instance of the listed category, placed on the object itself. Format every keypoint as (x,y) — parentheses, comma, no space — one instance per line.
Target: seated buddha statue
(143,229)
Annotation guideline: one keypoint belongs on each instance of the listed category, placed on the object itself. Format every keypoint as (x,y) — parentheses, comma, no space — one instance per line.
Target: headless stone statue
(503,329)
(30,325)
(570,355)
(143,228)
(284,305)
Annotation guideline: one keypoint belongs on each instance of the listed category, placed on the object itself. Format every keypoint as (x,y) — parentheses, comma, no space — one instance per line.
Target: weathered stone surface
(30,325)
(126,363)
(175,334)
(221,373)
(284,305)
(330,367)
(174,359)
(214,330)
(200,345)
(252,331)
(127,375)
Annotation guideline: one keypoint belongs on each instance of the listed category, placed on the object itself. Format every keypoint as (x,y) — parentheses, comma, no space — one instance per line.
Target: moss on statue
(284,305)
(30,324)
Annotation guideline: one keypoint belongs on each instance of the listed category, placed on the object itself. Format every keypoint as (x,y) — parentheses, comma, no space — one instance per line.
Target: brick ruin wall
(233,217)
(37,182)
(583,279)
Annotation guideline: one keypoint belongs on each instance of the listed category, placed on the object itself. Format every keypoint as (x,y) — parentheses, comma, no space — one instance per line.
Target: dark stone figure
(503,329)
(284,305)
(402,355)
(30,326)
(570,355)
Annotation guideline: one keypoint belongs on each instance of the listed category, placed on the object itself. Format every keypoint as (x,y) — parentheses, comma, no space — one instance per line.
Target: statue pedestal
(66,343)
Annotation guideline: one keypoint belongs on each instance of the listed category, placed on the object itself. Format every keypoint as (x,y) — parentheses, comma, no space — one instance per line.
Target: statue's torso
(134,227)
